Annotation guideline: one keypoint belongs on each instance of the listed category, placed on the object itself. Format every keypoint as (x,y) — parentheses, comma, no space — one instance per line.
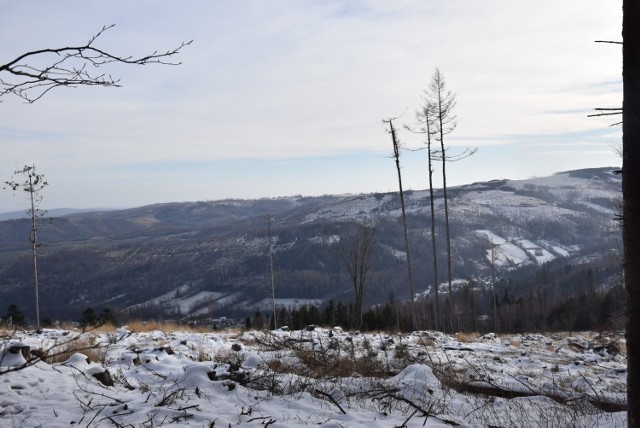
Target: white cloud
(290,79)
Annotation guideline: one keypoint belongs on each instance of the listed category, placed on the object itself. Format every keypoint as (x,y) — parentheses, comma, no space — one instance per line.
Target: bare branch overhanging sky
(277,98)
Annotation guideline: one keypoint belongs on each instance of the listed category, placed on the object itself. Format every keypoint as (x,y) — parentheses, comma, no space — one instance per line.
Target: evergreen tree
(13,317)
(329,314)
(108,317)
(283,316)
(258,320)
(88,318)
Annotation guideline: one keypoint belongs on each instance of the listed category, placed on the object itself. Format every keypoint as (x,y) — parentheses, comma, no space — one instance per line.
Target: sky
(287,97)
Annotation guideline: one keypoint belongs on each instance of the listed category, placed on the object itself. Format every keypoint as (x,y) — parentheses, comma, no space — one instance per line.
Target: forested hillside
(538,240)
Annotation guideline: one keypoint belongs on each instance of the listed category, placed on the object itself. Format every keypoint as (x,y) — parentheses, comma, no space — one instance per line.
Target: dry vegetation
(168,326)
(84,345)
(483,374)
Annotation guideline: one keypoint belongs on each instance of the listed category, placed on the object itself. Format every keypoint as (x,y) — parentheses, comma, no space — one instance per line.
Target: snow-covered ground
(513,252)
(321,377)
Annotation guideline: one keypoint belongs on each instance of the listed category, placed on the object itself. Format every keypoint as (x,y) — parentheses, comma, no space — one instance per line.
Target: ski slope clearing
(315,377)
(511,252)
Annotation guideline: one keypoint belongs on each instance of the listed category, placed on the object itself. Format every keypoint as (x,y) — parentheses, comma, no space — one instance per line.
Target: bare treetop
(443,101)
(70,66)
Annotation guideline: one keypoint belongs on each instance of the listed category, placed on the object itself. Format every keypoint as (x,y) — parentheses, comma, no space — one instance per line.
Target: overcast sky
(277,98)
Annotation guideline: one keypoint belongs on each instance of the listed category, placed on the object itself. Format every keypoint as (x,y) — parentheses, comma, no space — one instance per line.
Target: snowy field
(316,377)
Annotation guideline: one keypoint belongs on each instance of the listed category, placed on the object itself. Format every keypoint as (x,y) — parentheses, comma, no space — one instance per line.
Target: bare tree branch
(333,400)
(355,252)
(604,111)
(70,66)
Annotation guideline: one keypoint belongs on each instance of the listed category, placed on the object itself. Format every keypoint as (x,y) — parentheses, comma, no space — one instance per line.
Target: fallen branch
(324,394)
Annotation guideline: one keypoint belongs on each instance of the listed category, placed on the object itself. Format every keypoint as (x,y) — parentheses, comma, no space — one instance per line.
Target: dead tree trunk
(396,155)
(33,183)
(33,237)
(355,253)
(273,283)
(631,199)
(436,282)
(444,101)
(425,118)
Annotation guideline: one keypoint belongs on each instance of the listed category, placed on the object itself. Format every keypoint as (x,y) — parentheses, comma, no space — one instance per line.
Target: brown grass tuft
(147,326)
(64,351)
(319,365)
(468,337)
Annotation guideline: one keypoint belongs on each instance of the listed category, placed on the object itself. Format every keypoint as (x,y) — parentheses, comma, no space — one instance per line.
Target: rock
(165,349)
(21,348)
(39,353)
(104,378)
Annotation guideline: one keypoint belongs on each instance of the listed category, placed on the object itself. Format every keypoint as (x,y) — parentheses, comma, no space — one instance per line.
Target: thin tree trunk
(34,255)
(631,200)
(396,155)
(446,211)
(356,256)
(273,283)
(33,184)
(433,232)
(493,287)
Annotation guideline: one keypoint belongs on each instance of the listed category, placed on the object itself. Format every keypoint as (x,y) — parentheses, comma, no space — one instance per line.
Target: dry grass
(5,333)
(148,326)
(66,326)
(135,326)
(61,353)
(104,328)
(468,337)
(319,365)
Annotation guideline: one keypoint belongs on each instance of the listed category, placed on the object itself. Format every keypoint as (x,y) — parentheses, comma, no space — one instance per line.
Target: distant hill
(56,212)
(206,259)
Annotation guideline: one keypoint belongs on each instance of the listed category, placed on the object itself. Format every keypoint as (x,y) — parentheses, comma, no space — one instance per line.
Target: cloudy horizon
(286,97)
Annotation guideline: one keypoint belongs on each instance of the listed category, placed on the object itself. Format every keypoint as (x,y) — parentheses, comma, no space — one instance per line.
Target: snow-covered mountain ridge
(204,258)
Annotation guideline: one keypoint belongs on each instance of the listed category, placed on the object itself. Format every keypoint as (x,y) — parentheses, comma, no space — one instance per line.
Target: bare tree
(33,184)
(273,283)
(355,252)
(396,156)
(494,258)
(425,118)
(443,102)
(631,199)
(31,75)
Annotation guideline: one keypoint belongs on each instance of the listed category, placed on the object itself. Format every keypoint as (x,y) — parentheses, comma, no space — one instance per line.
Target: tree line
(589,309)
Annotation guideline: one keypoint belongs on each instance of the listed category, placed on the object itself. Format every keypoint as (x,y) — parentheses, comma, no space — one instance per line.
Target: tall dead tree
(494,258)
(396,156)
(273,282)
(355,252)
(425,118)
(443,102)
(32,74)
(32,183)
(631,199)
